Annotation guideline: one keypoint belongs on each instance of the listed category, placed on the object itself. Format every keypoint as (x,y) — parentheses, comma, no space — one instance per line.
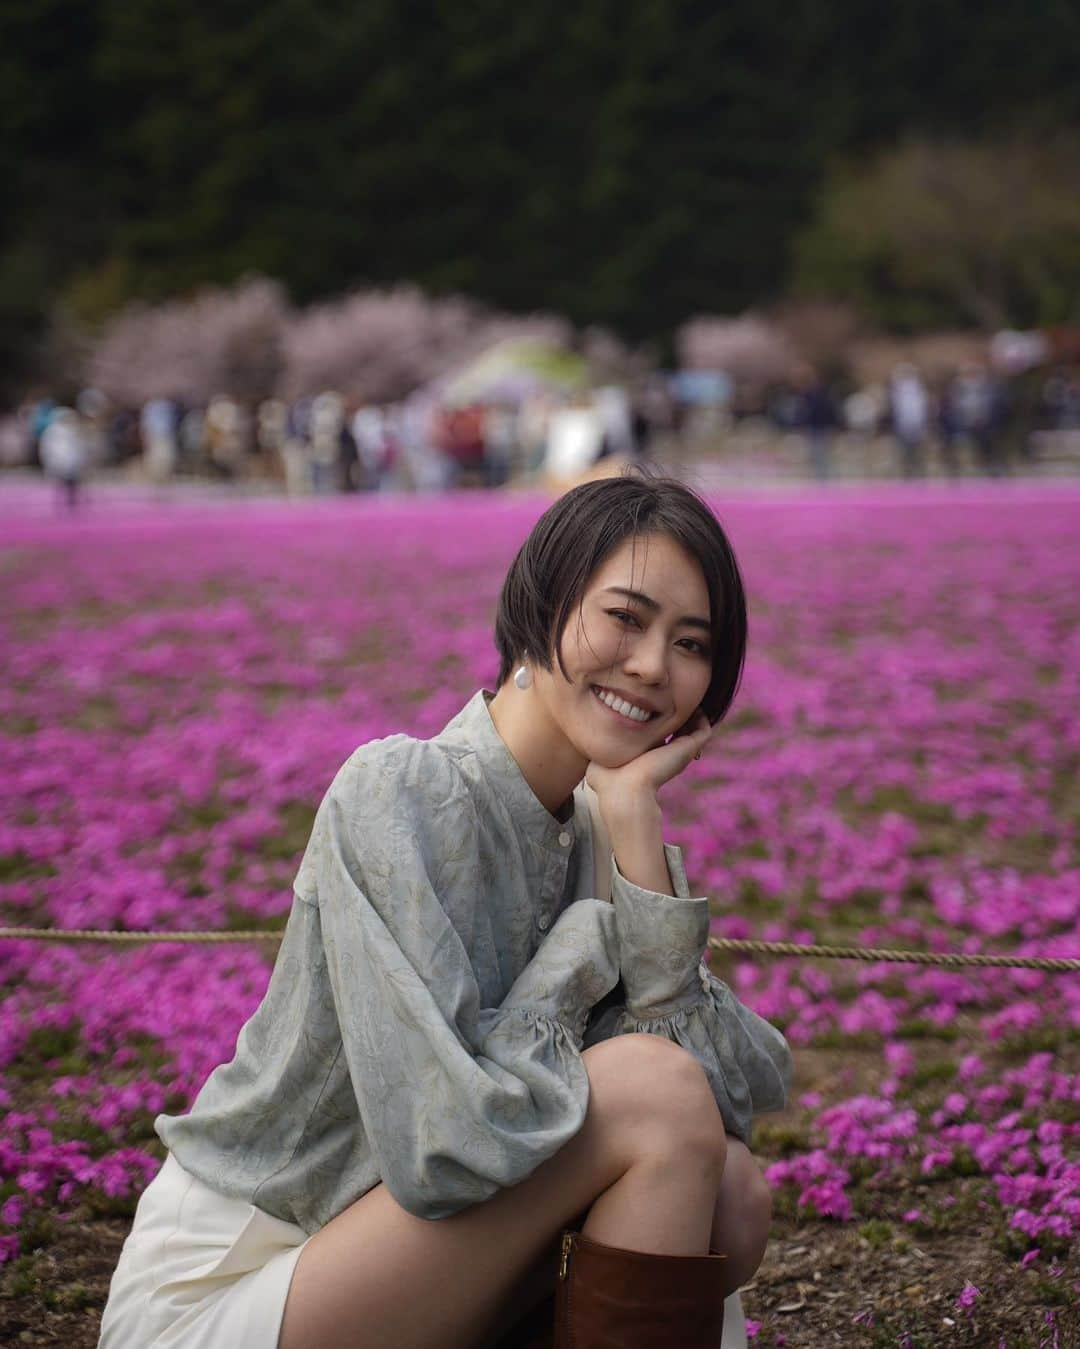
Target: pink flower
(11,1211)
(969,1294)
(953,691)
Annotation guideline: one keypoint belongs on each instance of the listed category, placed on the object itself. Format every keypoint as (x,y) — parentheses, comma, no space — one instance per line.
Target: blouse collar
(474,727)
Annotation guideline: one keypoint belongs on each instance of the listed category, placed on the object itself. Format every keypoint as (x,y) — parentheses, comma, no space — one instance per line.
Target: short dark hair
(572,538)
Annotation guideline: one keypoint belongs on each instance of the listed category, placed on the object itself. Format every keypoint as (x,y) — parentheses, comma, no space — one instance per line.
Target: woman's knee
(759,1203)
(656,1093)
(746,1193)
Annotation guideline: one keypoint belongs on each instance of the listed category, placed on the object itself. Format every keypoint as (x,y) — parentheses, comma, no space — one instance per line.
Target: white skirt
(199,1271)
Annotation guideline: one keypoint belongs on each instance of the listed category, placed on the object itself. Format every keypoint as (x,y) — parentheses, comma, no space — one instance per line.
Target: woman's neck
(549,763)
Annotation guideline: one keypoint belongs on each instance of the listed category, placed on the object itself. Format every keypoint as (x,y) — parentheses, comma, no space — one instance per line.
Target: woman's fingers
(698,732)
(668,761)
(650,770)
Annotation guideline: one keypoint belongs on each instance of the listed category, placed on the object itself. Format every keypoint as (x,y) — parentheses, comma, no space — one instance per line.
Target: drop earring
(523,677)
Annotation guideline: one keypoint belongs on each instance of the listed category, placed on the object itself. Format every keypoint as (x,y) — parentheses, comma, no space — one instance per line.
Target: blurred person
(395,423)
(909,416)
(349,456)
(1060,396)
(20,446)
(122,439)
(660,408)
(226,436)
(575,440)
(271,428)
(423,466)
(327,421)
(613,408)
(641,429)
(490,1046)
(974,407)
(296,448)
(93,409)
(500,444)
(948,434)
(461,438)
(41,413)
(65,453)
(191,439)
(157,427)
(866,410)
(814,414)
(534,419)
(371,446)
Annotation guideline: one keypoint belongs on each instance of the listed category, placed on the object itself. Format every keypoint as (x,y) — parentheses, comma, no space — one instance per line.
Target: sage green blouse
(443,966)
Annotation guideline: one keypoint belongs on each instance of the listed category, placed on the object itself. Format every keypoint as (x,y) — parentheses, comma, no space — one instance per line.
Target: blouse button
(543,922)
(564,839)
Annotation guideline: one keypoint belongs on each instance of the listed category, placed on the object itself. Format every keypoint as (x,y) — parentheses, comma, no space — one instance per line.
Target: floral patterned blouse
(444,964)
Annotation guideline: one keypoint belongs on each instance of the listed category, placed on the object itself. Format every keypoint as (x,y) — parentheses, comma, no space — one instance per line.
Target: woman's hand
(633,787)
(630,810)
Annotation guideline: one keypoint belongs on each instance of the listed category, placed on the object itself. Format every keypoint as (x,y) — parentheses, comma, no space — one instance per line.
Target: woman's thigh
(378,1276)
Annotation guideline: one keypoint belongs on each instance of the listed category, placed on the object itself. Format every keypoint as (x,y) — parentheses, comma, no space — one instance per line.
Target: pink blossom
(11,1211)
(169,727)
(968,1296)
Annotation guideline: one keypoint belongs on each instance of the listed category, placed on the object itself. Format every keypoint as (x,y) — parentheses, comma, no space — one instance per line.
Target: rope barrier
(876,953)
(741,946)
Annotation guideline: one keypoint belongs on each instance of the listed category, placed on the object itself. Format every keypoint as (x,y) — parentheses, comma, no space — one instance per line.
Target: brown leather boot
(607,1298)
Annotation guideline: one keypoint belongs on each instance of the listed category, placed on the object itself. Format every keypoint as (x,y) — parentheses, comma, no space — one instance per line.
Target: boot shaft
(609,1298)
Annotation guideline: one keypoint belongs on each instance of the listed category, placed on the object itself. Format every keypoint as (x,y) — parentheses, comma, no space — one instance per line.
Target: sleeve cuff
(574,967)
(661,941)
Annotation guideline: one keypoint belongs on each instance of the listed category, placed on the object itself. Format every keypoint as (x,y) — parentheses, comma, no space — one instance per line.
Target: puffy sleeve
(669,991)
(457,1099)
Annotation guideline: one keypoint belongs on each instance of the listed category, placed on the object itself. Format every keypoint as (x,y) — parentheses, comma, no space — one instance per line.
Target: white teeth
(621,705)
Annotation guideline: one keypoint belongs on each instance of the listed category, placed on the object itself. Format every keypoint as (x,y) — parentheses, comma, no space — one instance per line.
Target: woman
(464,1049)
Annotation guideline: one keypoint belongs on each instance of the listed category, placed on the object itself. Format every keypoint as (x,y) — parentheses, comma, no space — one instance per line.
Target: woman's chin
(613,747)
(608,756)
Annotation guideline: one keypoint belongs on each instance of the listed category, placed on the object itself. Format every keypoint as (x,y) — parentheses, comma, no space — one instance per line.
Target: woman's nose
(648,660)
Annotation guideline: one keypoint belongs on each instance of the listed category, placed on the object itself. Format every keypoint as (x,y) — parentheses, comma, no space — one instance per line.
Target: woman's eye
(622,615)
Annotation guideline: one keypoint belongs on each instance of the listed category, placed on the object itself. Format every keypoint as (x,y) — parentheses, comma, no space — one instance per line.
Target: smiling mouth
(629,712)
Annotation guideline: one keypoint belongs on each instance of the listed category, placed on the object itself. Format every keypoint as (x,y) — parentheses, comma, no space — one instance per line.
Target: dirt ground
(819,1285)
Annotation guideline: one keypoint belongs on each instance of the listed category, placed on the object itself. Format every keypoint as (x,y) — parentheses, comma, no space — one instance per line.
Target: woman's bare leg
(740,1227)
(648,1160)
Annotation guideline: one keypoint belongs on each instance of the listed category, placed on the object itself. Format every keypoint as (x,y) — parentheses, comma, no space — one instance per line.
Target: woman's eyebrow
(649,603)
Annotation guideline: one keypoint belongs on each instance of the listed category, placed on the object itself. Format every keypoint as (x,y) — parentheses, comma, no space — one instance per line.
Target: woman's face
(641,641)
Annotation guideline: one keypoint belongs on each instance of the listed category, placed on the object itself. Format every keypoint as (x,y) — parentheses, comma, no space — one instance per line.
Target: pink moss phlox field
(899,769)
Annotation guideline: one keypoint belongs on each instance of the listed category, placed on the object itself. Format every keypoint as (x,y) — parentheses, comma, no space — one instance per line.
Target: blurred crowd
(994,422)
(328,444)
(975,419)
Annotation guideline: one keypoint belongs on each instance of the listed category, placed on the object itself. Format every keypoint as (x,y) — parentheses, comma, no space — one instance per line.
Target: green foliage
(18,867)
(952,232)
(920,1029)
(51,1042)
(779,1140)
(632,164)
(877,1232)
(928,1074)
